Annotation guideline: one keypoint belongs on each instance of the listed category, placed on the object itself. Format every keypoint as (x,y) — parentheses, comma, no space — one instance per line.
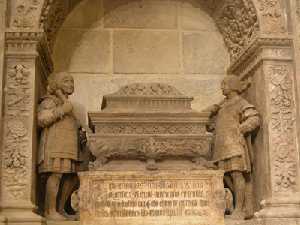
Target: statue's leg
(239,193)
(249,208)
(52,188)
(70,184)
(228,182)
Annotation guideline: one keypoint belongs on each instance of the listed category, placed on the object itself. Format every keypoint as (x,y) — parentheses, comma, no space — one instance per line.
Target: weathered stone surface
(140,14)
(200,51)
(191,13)
(140,197)
(146,52)
(86,15)
(80,53)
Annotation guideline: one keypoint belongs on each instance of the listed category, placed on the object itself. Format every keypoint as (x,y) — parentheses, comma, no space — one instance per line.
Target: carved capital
(28,44)
(262,48)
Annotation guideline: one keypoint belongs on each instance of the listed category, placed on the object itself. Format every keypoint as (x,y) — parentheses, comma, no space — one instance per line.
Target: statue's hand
(213,109)
(243,128)
(67,107)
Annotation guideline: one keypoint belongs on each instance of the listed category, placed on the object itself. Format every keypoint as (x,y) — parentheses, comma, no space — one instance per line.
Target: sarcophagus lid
(148,120)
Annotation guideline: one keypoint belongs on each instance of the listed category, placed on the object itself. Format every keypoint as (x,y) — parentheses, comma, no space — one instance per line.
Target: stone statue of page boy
(59,146)
(235,119)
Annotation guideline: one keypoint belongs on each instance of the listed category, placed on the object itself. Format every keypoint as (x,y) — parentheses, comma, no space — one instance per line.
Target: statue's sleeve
(249,118)
(48,113)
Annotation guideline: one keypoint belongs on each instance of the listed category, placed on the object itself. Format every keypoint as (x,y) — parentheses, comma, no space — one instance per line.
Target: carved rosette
(15,167)
(283,127)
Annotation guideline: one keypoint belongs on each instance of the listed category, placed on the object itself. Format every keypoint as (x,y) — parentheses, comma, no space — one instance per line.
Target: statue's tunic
(231,151)
(58,150)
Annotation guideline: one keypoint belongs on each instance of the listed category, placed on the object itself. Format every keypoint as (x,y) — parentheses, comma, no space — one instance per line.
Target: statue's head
(60,81)
(231,83)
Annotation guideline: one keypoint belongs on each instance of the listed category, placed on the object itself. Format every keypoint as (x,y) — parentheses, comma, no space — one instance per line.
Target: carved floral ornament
(16,140)
(25,13)
(283,118)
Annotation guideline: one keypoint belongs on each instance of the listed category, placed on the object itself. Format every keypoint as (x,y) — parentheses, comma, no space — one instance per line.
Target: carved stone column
(26,67)
(270,65)
(2,26)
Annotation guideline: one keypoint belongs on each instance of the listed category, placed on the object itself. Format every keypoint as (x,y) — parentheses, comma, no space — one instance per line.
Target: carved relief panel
(16,141)
(282,126)
(24,13)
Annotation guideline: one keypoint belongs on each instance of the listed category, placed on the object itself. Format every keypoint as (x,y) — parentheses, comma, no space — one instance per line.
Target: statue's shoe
(237,215)
(70,217)
(55,216)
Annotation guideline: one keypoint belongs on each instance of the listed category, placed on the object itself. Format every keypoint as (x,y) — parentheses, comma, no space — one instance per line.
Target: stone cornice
(27,44)
(262,48)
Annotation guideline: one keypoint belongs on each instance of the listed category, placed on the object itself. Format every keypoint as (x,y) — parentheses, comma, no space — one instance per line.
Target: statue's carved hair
(54,81)
(236,84)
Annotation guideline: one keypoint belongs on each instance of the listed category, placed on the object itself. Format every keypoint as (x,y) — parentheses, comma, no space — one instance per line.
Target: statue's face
(67,85)
(225,87)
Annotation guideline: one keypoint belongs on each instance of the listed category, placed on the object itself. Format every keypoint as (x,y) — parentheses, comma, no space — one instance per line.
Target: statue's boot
(70,184)
(55,216)
(239,186)
(237,215)
(52,189)
(249,208)
(70,217)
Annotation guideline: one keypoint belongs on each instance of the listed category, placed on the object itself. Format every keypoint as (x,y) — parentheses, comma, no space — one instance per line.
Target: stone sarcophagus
(148,121)
(152,162)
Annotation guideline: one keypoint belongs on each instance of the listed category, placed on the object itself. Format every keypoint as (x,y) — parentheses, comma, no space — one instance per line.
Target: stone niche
(152,124)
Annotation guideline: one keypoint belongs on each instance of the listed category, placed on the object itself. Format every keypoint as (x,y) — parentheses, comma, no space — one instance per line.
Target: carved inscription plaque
(165,197)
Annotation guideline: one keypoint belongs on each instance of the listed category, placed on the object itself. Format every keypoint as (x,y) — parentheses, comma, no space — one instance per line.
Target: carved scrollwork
(283,127)
(149,89)
(106,148)
(238,23)
(25,13)
(147,128)
(16,140)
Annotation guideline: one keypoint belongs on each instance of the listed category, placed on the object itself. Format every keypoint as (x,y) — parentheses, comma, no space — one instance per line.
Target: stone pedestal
(173,197)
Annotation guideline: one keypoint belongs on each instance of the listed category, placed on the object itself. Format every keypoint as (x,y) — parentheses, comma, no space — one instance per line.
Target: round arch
(237,20)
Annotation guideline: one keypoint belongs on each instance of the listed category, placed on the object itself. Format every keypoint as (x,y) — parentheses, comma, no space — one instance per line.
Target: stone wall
(107,44)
